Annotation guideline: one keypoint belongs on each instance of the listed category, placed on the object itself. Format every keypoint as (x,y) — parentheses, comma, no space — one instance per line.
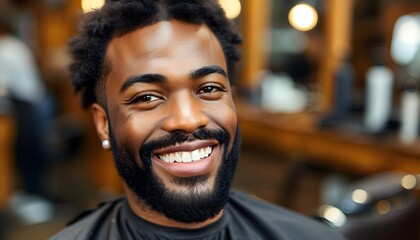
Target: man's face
(171,118)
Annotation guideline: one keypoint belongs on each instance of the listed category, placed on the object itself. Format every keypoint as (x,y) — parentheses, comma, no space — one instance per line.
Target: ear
(100,120)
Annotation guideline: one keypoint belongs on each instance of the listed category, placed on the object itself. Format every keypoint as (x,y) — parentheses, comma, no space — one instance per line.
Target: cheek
(133,129)
(133,124)
(224,115)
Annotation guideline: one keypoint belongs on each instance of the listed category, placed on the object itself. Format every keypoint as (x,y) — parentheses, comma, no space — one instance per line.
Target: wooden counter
(299,135)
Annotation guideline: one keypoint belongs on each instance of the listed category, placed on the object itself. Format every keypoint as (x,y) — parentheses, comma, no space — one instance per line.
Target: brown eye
(211,92)
(210,89)
(145,98)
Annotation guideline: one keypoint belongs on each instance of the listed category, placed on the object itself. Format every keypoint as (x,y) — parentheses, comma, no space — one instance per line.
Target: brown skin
(173,50)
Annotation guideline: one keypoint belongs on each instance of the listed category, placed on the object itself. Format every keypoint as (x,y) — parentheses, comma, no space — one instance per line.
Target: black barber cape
(244,218)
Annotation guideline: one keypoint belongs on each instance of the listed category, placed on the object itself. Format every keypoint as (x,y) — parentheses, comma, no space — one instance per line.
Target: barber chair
(380,207)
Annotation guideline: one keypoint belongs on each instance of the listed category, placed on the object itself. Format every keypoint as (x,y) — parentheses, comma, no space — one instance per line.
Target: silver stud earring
(105,144)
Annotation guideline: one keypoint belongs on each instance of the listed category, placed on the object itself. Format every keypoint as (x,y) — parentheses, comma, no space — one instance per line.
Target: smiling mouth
(186,156)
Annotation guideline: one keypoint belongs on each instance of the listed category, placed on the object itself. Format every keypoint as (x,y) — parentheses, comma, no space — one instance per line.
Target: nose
(184,114)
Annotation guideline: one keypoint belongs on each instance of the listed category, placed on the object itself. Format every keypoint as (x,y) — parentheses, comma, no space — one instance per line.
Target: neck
(142,210)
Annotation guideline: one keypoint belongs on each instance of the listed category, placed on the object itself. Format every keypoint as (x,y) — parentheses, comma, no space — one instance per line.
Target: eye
(211,92)
(210,89)
(144,99)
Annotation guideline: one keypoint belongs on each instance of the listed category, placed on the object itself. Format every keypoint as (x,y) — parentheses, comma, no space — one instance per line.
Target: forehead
(169,47)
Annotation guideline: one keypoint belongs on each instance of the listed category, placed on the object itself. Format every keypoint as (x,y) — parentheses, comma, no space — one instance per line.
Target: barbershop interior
(327,96)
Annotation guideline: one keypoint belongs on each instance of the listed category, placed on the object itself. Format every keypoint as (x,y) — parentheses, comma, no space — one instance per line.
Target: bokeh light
(232,8)
(360,196)
(406,39)
(90,5)
(409,182)
(334,215)
(303,17)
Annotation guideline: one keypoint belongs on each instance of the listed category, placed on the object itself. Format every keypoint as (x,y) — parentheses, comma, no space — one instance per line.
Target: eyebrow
(158,78)
(207,70)
(145,78)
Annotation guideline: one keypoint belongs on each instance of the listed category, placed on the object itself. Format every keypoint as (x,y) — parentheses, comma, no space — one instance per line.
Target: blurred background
(327,99)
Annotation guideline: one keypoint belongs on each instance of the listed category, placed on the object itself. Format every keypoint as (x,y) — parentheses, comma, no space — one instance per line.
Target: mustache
(177,137)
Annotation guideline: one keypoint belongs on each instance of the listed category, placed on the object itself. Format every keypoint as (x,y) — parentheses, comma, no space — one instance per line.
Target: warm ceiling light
(90,5)
(232,8)
(303,17)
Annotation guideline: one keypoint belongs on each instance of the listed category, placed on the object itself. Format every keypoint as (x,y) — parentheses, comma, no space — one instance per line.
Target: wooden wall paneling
(338,30)
(256,28)
(6,159)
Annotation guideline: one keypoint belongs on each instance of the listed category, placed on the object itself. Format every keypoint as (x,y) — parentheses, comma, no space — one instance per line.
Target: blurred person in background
(157,78)
(20,80)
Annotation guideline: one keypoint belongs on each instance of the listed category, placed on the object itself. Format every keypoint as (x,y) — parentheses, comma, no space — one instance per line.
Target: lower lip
(190,169)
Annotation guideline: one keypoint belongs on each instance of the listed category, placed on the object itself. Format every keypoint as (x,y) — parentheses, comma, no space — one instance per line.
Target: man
(157,77)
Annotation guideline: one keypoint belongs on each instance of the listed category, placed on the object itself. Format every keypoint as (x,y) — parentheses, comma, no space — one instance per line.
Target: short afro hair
(116,18)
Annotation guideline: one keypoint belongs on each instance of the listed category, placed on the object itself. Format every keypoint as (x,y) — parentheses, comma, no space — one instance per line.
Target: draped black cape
(244,218)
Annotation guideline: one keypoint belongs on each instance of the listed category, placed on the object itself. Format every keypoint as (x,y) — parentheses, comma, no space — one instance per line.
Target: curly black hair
(116,18)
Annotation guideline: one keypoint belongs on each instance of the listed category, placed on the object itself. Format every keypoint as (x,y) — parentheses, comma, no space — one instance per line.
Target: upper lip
(186,146)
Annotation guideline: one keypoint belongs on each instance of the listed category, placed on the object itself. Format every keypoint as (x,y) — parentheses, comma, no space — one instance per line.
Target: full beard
(191,206)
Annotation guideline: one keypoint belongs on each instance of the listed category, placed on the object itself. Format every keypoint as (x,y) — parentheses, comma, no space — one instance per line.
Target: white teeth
(196,155)
(185,157)
(177,158)
(208,150)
